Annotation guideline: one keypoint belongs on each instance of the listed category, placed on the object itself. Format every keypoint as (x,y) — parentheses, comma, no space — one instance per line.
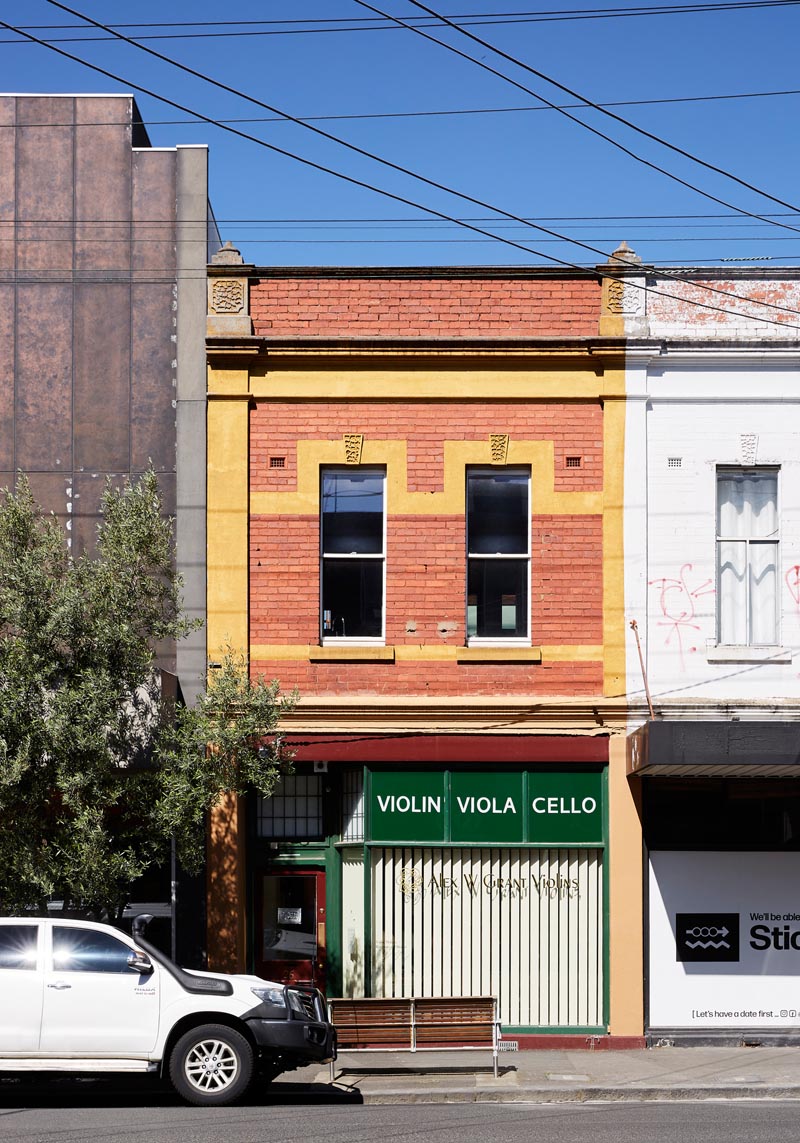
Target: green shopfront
(456,879)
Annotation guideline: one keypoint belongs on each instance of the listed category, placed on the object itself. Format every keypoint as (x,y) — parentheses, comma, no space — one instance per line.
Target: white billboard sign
(724,940)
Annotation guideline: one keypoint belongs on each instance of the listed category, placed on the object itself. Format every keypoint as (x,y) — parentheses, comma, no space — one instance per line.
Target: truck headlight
(275,997)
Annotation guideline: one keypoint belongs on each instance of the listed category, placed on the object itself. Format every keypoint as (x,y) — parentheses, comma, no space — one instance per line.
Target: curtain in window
(748,552)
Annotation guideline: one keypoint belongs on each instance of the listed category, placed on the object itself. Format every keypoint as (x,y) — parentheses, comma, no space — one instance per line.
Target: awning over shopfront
(715,749)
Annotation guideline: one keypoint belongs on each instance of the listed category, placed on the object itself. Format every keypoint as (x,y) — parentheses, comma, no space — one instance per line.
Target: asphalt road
(78,1111)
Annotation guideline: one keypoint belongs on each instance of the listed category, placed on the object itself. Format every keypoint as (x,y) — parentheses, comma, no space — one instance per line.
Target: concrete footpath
(554,1076)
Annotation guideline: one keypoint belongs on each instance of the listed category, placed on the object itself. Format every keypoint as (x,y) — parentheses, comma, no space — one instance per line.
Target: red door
(290,939)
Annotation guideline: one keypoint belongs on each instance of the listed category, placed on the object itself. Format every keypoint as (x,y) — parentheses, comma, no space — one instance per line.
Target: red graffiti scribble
(792,581)
(676,600)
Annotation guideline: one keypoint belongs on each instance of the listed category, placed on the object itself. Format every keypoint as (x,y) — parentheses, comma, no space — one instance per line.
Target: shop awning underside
(749,749)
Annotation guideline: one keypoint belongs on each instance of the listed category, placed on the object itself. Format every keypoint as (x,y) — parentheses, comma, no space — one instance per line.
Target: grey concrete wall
(192,200)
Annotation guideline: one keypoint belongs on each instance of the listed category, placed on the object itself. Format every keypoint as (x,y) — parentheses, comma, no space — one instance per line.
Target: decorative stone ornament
(353,444)
(228,295)
(498,447)
(623,298)
(749,448)
(623,310)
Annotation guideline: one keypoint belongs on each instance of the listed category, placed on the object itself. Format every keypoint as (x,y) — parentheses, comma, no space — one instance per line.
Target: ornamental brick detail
(749,448)
(498,446)
(623,298)
(353,444)
(227,296)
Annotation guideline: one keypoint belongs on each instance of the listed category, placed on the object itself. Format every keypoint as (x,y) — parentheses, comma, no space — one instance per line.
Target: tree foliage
(98,770)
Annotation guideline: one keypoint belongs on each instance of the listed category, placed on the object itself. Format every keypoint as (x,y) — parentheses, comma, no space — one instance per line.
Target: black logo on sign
(707,936)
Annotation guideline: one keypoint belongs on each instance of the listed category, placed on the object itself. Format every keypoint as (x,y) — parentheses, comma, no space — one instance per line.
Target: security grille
(353,805)
(294,810)
(523,925)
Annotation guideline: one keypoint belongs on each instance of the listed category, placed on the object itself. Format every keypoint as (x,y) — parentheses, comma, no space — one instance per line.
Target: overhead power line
(252,28)
(399,168)
(444,112)
(352,180)
(589,104)
(396,167)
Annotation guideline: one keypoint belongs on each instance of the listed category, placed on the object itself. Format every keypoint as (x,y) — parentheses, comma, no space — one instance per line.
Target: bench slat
(401,1023)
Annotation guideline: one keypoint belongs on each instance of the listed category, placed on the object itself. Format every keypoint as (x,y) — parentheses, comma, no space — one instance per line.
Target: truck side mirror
(140,962)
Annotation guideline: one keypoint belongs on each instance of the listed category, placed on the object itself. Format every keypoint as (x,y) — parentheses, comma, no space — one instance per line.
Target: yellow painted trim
(613,571)
(626,896)
(227,619)
(227,551)
(228,382)
(539,455)
(427,652)
(499,655)
(408,384)
(342,654)
(566,653)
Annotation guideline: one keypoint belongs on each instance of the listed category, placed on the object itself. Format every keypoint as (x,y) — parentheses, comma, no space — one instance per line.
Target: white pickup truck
(76,996)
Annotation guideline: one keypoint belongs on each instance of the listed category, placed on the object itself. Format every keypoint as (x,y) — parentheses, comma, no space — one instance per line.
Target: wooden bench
(416,1024)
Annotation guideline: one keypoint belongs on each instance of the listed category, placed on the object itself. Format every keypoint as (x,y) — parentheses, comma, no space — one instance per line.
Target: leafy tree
(98,771)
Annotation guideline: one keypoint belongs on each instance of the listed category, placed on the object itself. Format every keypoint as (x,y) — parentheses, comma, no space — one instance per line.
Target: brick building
(415,517)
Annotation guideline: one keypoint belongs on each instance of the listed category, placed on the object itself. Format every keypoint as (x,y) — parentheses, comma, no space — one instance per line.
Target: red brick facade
(428,307)
(425,556)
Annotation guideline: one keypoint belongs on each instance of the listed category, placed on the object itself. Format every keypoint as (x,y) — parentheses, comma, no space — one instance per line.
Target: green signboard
(407,805)
(566,808)
(486,807)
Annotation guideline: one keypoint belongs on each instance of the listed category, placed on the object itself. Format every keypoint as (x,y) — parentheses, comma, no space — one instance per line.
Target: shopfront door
(290,940)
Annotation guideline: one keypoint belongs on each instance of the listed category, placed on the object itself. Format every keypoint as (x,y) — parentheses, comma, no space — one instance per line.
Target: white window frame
(498,640)
(728,471)
(352,640)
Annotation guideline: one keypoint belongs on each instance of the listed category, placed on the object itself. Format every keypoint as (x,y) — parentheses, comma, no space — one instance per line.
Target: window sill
(499,654)
(349,652)
(737,654)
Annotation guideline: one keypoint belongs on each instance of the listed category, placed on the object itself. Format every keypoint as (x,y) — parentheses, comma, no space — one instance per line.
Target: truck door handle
(59,984)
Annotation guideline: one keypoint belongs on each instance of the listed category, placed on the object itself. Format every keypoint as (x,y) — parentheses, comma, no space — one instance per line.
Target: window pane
(289,918)
(84,950)
(763,594)
(732,593)
(352,512)
(18,946)
(497,598)
(294,810)
(747,504)
(498,520)
(352,598)
(747,520)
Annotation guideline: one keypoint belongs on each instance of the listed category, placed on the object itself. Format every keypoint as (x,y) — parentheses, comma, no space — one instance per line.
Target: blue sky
(533,163)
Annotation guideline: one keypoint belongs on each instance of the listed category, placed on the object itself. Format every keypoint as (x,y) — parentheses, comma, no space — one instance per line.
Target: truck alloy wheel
(211,1064)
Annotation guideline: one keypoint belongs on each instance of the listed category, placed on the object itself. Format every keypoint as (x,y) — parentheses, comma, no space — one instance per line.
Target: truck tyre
(211,1065)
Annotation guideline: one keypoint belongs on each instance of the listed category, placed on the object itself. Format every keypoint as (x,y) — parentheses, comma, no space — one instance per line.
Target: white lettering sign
(563,806)
(472,805)
(403,804)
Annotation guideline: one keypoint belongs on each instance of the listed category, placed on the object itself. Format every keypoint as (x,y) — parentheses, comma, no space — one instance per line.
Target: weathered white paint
(725,394)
